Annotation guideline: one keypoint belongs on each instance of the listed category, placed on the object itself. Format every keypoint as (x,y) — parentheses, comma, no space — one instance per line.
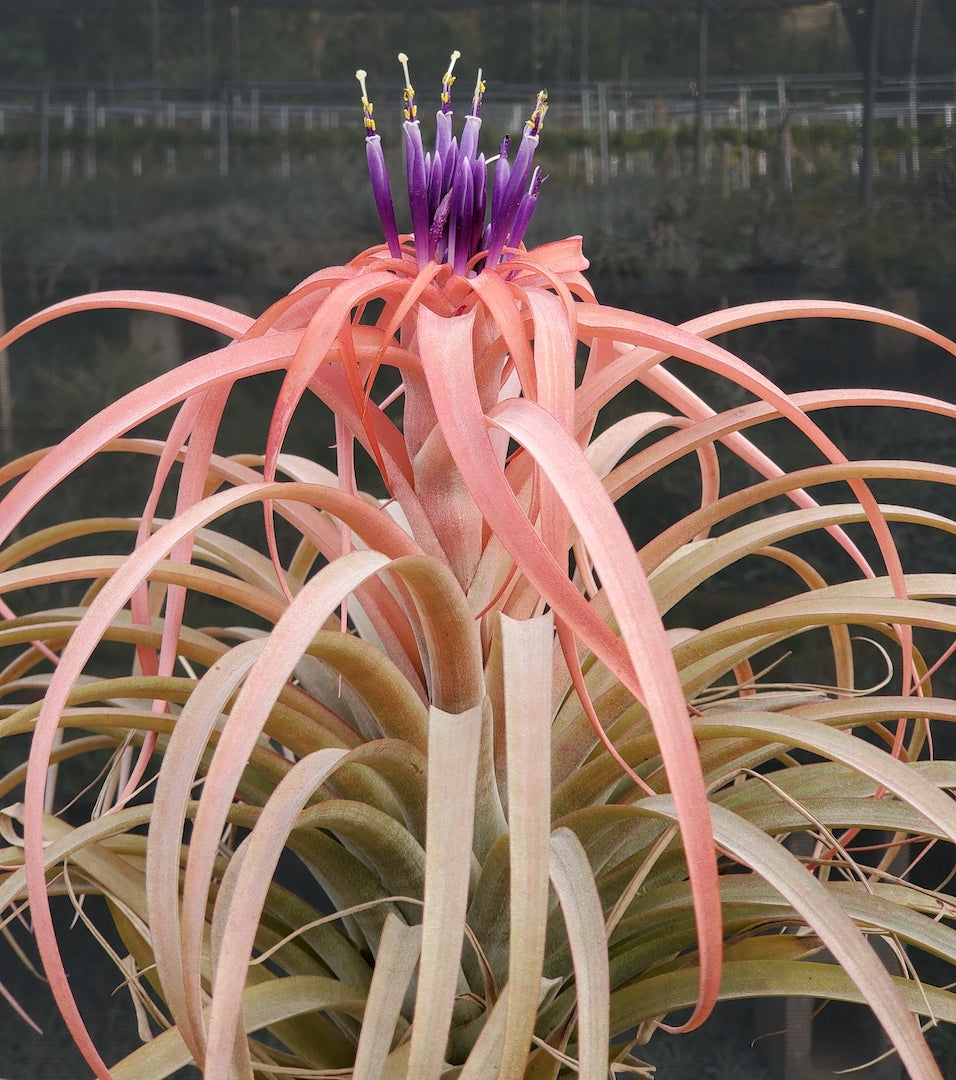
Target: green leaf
(574,883)
(262,1005)
(527,649)
(398,953)
(453,746)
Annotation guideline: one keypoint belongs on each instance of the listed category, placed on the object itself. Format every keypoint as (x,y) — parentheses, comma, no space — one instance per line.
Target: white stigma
(403,60)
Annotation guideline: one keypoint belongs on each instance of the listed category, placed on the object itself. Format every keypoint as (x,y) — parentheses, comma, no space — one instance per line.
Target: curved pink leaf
(215,316)
(238,360)
(88,634)
(442,344)
(674,341)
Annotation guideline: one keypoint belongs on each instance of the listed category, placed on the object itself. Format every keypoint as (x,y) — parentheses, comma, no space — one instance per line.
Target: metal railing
(66,121)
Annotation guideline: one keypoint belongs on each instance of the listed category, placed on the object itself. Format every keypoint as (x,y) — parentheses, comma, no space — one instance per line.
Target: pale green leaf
(398,953)
(526,647)
(453,746)
(577,893)
(262,1005)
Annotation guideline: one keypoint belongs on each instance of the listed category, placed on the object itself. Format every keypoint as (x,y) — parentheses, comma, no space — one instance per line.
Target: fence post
(913,98)
(743,99)
(586,125)
(786,153)
(44,136)
(89,151)
(602,133)
(872,24)
(700,155)
(223,136)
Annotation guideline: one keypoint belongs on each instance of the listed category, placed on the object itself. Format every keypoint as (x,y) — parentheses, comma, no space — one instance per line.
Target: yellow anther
(448,79)
(537,117)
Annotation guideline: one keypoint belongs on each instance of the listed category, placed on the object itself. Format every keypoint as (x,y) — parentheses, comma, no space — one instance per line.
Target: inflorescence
(448,189)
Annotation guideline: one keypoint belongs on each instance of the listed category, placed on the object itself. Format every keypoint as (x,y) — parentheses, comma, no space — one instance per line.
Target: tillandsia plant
(535,816)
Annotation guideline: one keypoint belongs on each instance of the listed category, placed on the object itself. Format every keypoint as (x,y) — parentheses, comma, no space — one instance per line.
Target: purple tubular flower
(435,190)
(448,193)
(416,169)
(378,173)
(449,165)
(443,133)
(526,209)
(437,237)
(480,170)
(382,192)
(417,180)
(469,138)
(459,225)
(438,233)
(443,128)
(503,218)
(502,173)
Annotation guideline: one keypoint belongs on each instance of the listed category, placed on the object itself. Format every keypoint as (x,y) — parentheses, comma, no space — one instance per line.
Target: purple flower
(381,190)
(448,188)
(504,215)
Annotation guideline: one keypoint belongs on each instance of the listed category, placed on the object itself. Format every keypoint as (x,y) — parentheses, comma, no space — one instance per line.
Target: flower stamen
(534,124)
(362,75)
(478,95)
(411,109)
(448,80)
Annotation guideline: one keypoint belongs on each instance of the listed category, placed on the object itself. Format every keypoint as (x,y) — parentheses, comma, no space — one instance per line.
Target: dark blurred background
(711,152)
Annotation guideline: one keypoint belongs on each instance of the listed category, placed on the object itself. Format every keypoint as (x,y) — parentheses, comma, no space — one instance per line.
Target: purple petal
(526,209)
(480,201)
(450,164)
(469,137)
(417,188)
(459,232)
(502,218)
(382,192)
(437,233)
(435,191)
(443,131)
